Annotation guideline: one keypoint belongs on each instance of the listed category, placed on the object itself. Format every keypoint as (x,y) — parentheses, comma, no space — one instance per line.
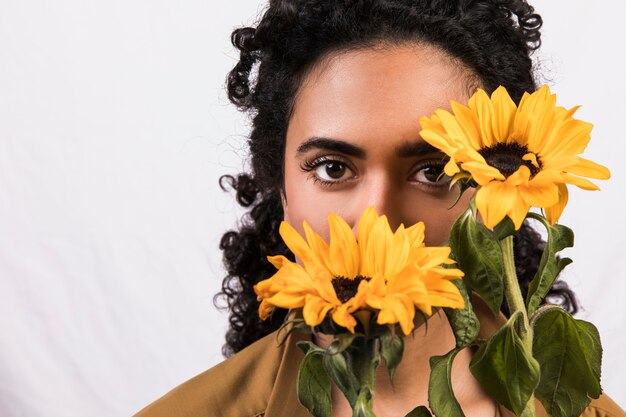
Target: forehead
(355,95)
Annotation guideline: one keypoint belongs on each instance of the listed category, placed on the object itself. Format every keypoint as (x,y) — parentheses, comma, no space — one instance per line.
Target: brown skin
(372,99)
(367,103)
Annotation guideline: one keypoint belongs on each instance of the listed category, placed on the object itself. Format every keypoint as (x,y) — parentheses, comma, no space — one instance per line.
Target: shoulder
(239,387)
(603,407)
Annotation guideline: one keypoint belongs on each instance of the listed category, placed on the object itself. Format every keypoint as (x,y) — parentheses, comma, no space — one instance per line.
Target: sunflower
(518,156)
(388,273)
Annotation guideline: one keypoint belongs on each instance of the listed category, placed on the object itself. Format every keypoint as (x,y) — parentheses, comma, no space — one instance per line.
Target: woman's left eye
(431,174)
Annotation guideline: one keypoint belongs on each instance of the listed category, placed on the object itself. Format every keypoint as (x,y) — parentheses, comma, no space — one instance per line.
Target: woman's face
(353,140)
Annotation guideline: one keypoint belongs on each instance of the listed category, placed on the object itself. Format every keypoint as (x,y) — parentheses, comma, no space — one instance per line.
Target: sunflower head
(384,273)
(518,156)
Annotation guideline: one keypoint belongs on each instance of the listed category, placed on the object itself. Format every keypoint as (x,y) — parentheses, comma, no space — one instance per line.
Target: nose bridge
(383,193)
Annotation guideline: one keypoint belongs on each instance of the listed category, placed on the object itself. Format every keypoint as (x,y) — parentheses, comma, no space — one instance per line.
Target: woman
(335,89)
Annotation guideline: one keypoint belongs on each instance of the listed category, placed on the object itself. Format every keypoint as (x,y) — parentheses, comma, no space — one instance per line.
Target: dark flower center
(507,158)
(346,288)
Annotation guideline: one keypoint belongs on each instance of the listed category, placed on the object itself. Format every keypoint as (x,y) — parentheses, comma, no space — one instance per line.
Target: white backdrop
(114,128)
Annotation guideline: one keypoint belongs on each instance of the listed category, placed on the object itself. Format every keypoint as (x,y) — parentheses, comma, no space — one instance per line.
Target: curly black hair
(493,38)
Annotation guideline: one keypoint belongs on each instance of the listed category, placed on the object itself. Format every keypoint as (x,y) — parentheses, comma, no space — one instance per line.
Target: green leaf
(464,322)
(505,228)
(313,385)
(341,343)
(559,238)
(364,404)
(391,349)
(570,353)
(306,346)
(528,412)
(505,369)
(341,373)
(440,395)
(478,253)
(289,326)
(420,411)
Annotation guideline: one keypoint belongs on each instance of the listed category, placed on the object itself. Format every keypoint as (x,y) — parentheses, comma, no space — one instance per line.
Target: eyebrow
(331,144)
(415,149)
(407,150)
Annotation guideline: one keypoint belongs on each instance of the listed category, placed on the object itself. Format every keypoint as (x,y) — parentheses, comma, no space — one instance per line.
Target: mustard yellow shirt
(260,381)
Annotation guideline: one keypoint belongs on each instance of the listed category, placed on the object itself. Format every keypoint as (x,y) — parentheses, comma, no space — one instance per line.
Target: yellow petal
(364,231)
(580,182)
(524,112)
(376,287)
(285,300)
(532,158)
(323,286)
(431,256)
(541,120)
(469,155)
(265,310)
(519,177)
(518,213)
(344,251)
(504,112)
(554,212)
(315,309)
(278,261)
(587,168)
(540,196)
(341,316)
(482,106)
(454,130)
(443,293)
(378,244)
(572,136)
(439,141)
(546,177)
(317,245)
(494,201)
(482,173)
(451,168)
(408,280)
(359,300)
(448,272)
(416,234)
(398,253)
(293,276)
(468,120)
(397,309)
(296,243)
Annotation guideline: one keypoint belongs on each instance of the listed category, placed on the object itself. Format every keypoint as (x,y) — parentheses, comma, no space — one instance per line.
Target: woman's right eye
(328,171)
(332,171)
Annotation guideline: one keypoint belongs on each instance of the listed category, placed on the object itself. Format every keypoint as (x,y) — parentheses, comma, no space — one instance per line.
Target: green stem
(365,360)
(515,301)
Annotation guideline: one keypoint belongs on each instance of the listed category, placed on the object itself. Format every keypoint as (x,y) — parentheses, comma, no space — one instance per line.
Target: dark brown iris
(507,158)
(345,288)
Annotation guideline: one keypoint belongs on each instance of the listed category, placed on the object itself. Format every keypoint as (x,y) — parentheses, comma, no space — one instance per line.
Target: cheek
(302,202)
(438,215)
(438,225)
